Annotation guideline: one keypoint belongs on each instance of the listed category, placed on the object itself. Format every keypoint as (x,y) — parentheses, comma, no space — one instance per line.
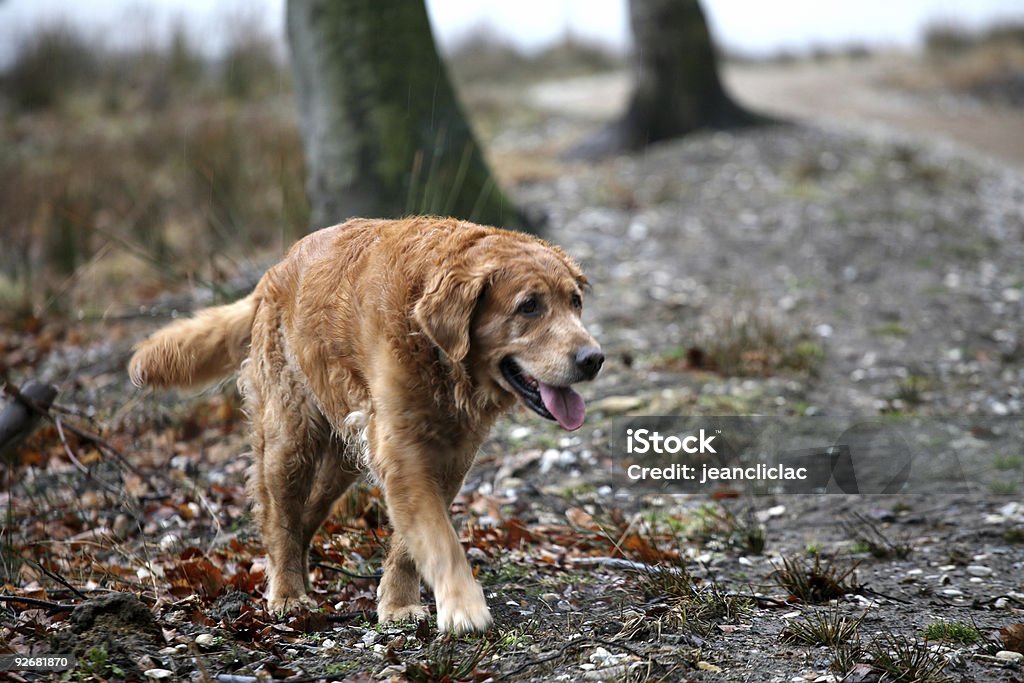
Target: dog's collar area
(526,386)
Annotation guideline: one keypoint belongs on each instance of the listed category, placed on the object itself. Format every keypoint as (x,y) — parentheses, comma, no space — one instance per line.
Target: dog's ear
(574,268)
(445,310)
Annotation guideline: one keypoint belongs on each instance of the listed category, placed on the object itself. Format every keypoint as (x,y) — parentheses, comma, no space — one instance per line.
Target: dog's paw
(282,606)
(466,613)
(391,613)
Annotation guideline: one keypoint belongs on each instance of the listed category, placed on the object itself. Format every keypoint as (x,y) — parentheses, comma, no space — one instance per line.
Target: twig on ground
(342,570)
(58,578)
(760,599)
(864,590)
(620,563)
(78,463)
(368,615)
(91,437)
(36,602)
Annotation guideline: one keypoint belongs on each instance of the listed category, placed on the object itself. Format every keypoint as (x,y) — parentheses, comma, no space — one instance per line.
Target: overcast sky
(757,26)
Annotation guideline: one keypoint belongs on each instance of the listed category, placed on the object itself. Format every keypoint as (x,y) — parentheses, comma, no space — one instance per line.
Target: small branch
(36,602)
(628,565)
(84,434)
(342,570)
(761,600)
(100,442)
(58,578)
(78,463)
(864,590)
(369,616)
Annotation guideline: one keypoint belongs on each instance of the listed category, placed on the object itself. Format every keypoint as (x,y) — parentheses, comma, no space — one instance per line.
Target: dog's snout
(589,360)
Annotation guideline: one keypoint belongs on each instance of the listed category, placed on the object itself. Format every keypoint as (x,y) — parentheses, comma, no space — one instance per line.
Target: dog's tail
(197,350)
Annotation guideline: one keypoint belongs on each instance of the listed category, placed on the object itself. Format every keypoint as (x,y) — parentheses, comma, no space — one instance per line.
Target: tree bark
(677,89)
(384,134)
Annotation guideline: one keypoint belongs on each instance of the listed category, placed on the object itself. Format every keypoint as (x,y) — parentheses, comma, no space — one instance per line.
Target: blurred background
(830,223)
(151,144)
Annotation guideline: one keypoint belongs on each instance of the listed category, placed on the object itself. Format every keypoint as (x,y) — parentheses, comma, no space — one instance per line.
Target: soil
(112,632)
(885,269)
(892,93)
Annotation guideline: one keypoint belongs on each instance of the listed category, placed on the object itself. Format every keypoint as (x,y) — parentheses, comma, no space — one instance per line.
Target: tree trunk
(383,131)
(676,85)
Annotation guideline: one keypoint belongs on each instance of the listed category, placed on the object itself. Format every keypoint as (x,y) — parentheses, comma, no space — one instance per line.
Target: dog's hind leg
(288,442)
(335,472)
(282,478)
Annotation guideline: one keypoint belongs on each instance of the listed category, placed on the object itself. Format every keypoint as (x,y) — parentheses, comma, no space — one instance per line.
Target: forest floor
(789,271)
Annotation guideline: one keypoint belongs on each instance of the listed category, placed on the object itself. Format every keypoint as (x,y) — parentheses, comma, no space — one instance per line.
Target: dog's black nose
(589,360)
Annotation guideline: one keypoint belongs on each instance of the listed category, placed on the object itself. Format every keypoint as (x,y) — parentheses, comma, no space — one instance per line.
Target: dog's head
(511,312)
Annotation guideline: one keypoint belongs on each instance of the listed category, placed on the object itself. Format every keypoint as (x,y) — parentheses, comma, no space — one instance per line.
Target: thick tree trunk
(677,89)
(384,133)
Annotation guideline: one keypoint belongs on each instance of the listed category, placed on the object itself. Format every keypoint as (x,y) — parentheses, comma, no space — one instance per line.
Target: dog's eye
(529,307)
(577,301)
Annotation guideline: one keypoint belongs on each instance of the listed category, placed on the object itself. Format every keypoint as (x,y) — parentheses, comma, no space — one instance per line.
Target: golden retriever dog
(391,345)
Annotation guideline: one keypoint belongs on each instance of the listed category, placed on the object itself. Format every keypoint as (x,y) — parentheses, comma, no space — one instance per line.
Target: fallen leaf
(1013,637)
(196,574)
(581,519)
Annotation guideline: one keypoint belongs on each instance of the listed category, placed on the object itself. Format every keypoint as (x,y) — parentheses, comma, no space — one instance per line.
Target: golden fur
(388,336)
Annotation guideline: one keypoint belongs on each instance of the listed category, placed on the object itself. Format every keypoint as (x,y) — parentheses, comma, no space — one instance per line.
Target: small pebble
(204,640)
(978,570)
(157,674)
(520,432)
(1010,656)
(1011,509)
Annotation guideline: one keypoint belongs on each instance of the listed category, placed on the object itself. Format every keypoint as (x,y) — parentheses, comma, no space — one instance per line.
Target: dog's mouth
(559,404)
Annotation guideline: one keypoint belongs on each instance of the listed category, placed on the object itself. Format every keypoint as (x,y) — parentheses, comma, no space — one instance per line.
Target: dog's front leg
(419,513)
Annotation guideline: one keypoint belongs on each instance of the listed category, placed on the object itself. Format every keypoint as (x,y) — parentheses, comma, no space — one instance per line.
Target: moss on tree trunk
(384,133)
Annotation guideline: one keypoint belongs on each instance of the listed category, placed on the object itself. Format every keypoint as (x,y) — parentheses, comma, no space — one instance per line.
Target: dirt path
(836,92)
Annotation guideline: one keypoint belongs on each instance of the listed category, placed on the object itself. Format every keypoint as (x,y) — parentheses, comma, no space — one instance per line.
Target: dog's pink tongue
(565,404)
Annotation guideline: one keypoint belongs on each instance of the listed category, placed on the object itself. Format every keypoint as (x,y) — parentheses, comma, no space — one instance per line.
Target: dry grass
(126,173)
(985,64)
(815,583)
(444,660)
(747,343)
(904,659)
(867,534)
(829,628)
(123,173)
(690,604)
